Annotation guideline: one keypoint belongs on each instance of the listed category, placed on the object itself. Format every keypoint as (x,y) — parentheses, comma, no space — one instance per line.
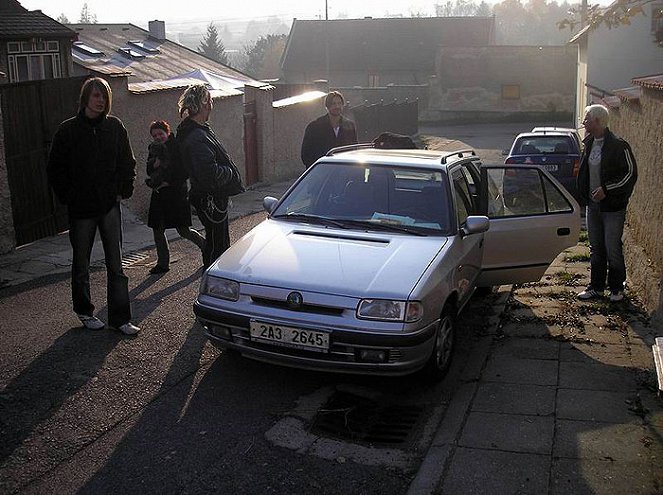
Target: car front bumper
(392,354)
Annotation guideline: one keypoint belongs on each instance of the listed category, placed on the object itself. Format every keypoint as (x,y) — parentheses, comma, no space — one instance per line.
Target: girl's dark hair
(101,85)
(330,98)
(160,124)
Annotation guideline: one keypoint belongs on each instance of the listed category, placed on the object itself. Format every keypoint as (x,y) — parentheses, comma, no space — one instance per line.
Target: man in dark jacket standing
(91,167)
(607,175)
(329,131)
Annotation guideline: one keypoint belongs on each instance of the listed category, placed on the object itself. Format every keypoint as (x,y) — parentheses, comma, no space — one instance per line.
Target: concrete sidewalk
(559,398)
(52,255)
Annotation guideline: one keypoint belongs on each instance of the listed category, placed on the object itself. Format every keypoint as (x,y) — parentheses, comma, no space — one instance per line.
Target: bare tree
(62,19)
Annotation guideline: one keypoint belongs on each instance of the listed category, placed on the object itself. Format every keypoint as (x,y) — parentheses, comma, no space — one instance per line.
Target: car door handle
(562,231)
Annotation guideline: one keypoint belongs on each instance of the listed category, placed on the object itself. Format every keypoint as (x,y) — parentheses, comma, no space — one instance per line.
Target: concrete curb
(433,467)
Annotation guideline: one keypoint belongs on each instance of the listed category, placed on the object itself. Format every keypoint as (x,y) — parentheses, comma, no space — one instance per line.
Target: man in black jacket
(91,167)
(329,131)
(607,175)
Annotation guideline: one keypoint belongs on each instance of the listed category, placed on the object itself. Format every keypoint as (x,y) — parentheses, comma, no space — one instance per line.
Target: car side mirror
(475,224)
(269,203)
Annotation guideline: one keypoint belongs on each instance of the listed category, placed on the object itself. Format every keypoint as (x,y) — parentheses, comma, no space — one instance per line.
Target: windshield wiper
(383,226)
(312,219)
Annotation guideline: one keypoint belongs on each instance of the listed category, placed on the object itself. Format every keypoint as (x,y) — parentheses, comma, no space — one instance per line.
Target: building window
(32,60)
(511,91)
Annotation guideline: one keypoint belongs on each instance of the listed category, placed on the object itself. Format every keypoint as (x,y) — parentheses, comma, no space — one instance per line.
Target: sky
(139,12)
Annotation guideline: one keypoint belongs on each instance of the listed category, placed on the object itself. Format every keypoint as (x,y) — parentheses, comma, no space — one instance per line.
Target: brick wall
(641,125)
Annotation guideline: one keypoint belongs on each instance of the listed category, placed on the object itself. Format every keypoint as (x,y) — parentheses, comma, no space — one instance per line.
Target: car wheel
(440,359)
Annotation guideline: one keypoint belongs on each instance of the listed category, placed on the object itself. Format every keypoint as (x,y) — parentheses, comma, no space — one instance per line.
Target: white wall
(618,55)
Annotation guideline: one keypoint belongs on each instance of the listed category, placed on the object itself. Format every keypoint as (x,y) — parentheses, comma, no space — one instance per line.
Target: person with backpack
(169,206)
(212,173)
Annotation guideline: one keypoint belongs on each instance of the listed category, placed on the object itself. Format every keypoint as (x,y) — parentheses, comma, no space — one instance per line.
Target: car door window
(524,192)
(462,195)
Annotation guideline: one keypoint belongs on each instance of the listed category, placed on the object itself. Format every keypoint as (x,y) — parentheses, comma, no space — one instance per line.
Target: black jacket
(204,158)
(619,172)
(90,164)
(319,138)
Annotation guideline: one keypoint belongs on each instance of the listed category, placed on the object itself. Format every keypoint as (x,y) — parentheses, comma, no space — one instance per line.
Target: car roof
(415,158)
(540,134)
(549,129)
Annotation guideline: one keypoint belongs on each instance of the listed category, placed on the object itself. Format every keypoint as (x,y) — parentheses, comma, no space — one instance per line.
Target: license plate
(289,336)
(551,167)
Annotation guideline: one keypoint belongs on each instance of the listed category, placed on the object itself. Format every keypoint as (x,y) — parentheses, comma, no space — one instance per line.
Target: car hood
(330,260)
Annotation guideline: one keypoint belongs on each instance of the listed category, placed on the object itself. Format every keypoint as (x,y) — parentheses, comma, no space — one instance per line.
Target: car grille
(305,308)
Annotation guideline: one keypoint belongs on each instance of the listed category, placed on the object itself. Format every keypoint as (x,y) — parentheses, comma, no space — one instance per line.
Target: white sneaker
(589,293)
(129,329)
(91,322)
(616,296)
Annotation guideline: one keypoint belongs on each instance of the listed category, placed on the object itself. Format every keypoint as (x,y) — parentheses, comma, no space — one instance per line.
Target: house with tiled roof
(32,45)
(148,59)
(373,52)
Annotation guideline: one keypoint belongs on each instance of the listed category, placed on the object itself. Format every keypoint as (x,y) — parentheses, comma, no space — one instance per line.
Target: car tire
(445,336)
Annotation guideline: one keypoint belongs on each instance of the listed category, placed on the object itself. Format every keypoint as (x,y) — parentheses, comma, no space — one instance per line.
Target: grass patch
(576,258)
(583,238)
(567,278)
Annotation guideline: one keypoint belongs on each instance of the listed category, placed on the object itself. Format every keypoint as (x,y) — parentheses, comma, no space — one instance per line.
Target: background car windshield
(544,145)
(395,195)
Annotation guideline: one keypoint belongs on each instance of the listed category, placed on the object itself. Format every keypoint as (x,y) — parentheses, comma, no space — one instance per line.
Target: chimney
(158,30)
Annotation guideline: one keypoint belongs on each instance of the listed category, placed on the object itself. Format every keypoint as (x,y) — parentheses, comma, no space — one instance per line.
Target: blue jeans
(81,236)
(605,231)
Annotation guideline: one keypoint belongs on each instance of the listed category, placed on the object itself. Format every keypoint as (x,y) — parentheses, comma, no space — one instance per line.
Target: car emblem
(543,159)
(295,300)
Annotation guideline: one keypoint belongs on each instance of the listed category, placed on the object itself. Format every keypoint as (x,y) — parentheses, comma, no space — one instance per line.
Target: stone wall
(641,125)
(499,83)
(7,234)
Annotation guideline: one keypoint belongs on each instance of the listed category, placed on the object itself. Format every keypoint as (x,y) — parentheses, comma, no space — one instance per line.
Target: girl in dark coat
(210,169)
(169,207)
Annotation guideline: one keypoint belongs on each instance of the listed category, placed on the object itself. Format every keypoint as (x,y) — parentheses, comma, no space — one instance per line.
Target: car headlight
(382,309)
(219,287)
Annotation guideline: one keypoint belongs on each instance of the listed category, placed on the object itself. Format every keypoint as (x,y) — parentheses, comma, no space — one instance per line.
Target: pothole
(349,417)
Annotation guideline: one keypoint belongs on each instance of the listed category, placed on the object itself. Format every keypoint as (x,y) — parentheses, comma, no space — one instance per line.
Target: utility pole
(326,11)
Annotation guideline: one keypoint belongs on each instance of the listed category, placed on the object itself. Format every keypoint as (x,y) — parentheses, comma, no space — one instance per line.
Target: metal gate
(250,144)
(31,113)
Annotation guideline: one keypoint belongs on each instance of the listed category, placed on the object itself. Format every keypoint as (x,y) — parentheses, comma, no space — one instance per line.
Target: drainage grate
(132,258)
(350,417)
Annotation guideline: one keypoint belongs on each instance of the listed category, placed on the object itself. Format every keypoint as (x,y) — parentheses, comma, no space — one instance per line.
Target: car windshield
(365,196)
(533,145)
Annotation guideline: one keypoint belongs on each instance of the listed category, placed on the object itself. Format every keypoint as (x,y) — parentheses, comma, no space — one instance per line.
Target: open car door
(532,219)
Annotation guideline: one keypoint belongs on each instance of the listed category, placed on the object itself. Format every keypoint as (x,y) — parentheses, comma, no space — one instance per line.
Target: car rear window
(560,145)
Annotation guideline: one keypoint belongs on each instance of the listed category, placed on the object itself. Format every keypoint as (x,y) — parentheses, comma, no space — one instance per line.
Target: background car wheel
(440,359)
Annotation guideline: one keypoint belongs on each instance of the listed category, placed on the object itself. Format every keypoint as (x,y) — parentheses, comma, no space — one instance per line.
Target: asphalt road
(165,412)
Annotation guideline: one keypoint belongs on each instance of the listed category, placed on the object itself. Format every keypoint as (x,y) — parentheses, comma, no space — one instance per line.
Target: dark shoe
(158,269)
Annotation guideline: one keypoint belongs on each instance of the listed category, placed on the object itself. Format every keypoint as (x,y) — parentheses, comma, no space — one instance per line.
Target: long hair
(92,84)
(193,99)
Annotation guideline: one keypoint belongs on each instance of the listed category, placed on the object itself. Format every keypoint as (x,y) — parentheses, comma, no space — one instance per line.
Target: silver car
(365,262)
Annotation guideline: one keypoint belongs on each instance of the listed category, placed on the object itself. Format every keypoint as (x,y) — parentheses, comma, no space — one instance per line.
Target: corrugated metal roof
(23,24)
(172,61)
(653,82)
(380,44)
